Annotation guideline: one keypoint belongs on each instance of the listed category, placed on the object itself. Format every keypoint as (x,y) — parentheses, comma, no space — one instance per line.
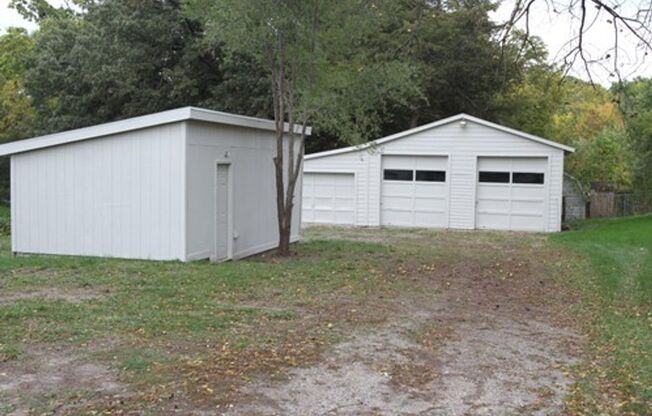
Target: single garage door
(511,193)
(328,198)
(414,191)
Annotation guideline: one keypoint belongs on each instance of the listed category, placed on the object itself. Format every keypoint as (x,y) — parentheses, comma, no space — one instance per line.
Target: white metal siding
(117,196)
(463,145)
(251,153)
(462,177)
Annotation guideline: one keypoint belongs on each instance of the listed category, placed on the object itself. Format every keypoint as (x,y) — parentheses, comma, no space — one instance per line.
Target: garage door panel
(324,178)
(494,164)
(509,205)
(529,164)
(527,207)
(345,217)
(323,203)
(398,217)
(430,163)
(485,191)
(430,188)
(425,219)
(324,189)
(493,205)
(328,198)
(393,189)
(527,223)
(415,203)
(344,204)
(397,203)
(347,193)
(525,191)
(493,221)
(323,216)
(436,205)
(398,162)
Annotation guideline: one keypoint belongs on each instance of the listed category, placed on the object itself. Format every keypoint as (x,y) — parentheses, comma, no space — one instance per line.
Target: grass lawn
(196,330)
(614,278)
(179,337)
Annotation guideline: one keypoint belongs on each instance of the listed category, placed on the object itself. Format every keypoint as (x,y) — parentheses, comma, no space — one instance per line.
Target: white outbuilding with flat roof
(183,184)
(460,172)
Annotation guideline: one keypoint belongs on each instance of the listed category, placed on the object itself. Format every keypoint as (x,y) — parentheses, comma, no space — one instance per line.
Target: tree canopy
(385,66)
(124,58)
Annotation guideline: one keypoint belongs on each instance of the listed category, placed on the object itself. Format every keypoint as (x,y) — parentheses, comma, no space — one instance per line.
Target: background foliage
(408,63)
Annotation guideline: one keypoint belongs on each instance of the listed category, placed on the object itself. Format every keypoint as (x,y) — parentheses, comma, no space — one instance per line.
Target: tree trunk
(284,234)
(281,207)
(284,100)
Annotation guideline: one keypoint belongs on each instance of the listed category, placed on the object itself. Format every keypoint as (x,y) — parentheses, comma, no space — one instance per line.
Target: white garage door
(328,198)
(414,191)
(511,193)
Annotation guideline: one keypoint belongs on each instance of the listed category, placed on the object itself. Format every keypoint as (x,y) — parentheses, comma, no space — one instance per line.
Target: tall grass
(615,280)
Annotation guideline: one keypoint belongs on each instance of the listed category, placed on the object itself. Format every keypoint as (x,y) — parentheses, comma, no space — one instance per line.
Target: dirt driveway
(360,322)
(484,337)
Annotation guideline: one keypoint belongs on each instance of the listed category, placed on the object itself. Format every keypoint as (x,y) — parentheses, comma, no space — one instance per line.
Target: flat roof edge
(137,123)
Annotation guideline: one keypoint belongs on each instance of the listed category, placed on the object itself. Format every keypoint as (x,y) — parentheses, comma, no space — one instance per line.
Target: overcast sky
(555,29)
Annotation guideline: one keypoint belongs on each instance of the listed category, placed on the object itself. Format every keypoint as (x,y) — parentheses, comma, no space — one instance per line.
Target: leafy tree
(124,58)
(460,63)
(603,158)
(635,98)
(532,103)
(319,71)
(589,119)
(585,111)
(16,112)
(576,113)
(39,10)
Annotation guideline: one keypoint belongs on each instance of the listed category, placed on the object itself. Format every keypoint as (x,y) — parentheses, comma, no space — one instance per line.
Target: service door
(223,233)
(328,198)
(414,191)
(511,193)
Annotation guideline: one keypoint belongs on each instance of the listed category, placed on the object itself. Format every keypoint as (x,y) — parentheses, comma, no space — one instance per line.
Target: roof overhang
(458,117)
(137,123)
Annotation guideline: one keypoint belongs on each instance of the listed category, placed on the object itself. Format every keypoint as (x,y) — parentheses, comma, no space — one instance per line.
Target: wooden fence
(617,204)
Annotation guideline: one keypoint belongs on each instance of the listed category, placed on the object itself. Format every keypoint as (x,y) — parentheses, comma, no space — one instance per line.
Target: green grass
(5,220)
(186,325)
(149,320)
(615,281)
(156,300)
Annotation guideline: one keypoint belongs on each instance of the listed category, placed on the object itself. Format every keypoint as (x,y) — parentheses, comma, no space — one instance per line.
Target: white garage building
(460,172)
(183,184)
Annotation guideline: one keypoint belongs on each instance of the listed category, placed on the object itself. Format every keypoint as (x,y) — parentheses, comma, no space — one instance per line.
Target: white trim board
(136,123)
(458,117)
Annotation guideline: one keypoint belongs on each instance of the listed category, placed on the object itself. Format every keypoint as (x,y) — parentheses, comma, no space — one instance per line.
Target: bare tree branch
(638,24)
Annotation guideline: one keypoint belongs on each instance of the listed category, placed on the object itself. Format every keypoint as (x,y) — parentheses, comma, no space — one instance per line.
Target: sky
(556,29)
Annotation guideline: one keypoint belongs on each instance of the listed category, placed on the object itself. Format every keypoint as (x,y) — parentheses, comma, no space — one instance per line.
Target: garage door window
(398,175)
(527,177)
(431,176)
(494,177)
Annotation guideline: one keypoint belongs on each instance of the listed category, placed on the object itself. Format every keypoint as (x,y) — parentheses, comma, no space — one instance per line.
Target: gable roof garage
(460,172)
(183,184)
